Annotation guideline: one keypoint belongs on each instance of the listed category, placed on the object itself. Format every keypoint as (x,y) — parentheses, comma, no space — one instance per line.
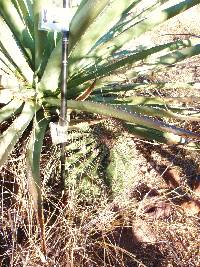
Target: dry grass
(146,226)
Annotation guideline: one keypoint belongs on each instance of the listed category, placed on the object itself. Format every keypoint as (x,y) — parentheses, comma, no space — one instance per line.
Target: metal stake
(63,110)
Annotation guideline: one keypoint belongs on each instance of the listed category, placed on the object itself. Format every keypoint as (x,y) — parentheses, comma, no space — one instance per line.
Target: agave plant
(99,32)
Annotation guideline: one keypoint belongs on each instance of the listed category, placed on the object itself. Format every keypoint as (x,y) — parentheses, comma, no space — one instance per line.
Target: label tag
(55,19)
(58,133)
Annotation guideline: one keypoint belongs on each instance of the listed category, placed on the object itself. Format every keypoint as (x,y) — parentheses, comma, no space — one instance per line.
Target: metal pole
(63,111)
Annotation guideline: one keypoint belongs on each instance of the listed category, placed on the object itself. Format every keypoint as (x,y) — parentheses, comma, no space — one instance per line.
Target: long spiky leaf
(10,137)
(145,25)
(10,109)
(33,170)
(16,25)
(133,117)
(97,71)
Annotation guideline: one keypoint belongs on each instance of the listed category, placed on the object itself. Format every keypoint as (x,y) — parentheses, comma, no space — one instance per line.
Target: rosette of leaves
(99,160)
(86,163)
(99,32)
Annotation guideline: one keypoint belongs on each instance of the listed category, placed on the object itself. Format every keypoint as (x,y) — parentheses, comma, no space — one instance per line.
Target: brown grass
(149,225)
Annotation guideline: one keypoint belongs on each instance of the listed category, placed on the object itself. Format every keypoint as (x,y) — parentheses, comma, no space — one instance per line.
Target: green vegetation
(99,33)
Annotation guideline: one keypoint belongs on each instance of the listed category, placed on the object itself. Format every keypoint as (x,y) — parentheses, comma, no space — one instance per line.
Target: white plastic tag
(58,133)
(55,19)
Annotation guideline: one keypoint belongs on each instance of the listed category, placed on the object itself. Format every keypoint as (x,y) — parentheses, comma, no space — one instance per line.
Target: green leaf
(87,12)
(19,94)
(51,40)
(164,112)
(154,135)
(7,66)
(120,170)
(120,26)
(44,41)
(143,26)
(10,109)
(133,57)
(102,23)
(33,170)
(9,47)
(16,25)
(130,17)
(6,96)
(50,78)
(106,87)
(157,107)
(24,9)
(179,55)
(85,155)
(108,110)
(10,137)
(33,155)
